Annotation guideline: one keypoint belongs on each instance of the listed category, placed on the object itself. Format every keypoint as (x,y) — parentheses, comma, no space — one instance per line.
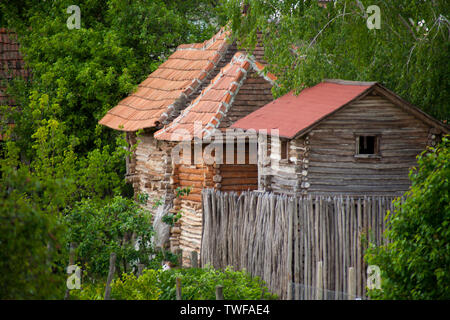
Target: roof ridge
(185,112)
(239,65)
(350,82)
(209,69)
(205,44)
(259,68)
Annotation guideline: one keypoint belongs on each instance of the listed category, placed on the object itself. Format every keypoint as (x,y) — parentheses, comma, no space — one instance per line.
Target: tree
(67,162)
(415,264)
(31,250)
(305,43)
(88,70)
(118,225)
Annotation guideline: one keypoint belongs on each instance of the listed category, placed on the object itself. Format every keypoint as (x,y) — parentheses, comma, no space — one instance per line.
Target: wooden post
(219,293)
(178,288)
(290,241)
(319,290)
(351,283)
(194,259)
(71,262)
(112,270)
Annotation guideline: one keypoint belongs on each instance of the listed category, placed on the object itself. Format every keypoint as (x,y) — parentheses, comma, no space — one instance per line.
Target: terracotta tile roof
(292,114)
(167,89)
(11,63)
(212,105)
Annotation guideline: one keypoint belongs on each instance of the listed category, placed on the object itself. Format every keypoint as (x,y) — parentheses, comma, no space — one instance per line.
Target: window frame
(377,144)
(284,144)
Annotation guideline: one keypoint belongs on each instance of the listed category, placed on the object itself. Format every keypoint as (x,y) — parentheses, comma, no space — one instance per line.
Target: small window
(284,150)
(367,145)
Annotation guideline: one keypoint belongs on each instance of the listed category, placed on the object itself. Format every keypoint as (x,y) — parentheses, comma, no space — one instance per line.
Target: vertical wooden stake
(112,270)
(194,259)
(319,292)
(219,293)
(290,242)
(178,288)
(351,283)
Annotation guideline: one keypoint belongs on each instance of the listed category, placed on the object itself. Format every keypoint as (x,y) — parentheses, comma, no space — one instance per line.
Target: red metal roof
(292,114)
(173,82)
(214,102)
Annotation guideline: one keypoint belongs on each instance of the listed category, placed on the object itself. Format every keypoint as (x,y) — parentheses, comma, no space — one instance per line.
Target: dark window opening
(368,145)
(284,150)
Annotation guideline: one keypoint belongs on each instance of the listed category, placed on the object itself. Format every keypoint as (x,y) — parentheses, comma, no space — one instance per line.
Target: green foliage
(171,218)
(305,44)
(132,288)
(88,70)
(415,264)
(200,284)
(100,229)
(89,291)
(197,284)
(30,247)
(100,174)
(68,162)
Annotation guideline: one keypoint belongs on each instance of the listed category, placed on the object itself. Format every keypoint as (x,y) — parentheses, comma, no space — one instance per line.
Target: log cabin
(212,156)
(158,100)
(187,80)
(340,137)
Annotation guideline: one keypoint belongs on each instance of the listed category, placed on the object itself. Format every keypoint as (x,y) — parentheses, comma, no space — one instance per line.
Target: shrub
(132,288)
(101,228)
(415,264)
(197,284)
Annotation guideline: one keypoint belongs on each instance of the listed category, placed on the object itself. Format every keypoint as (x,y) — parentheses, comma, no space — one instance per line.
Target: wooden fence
(282,238)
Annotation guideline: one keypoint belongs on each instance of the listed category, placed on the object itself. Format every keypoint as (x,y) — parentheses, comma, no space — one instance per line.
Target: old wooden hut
(238,89)
(160,99)
(340,137)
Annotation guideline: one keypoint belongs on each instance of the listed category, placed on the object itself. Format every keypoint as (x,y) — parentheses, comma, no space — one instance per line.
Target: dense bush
(416,263)
(119,226)
(30,250)
(200,284)
(197,284)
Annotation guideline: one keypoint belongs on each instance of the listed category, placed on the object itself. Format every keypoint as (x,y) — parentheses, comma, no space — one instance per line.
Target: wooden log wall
(254,93)
(150,168)
(186,234)
(234,176)
(324,161)
(333,167)
(238,177)
(282,238)
(287,176)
